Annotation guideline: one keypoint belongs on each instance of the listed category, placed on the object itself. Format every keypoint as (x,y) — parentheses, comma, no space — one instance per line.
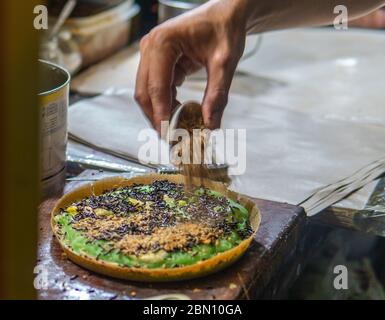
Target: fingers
(155,79)
(141,93)
(220,74)
(160,84)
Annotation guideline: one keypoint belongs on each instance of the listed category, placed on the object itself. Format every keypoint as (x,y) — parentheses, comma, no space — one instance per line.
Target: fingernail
(215,121)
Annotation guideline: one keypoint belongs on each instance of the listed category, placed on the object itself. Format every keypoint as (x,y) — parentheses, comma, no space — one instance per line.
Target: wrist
(257,16)
(231,12)
(240,14)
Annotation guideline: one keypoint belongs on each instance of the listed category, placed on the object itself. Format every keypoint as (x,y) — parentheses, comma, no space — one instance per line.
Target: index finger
(141,94)
(160,82)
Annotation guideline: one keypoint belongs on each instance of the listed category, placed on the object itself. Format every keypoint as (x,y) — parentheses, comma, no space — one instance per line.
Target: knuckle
(224,58)
(143,43)
(140,97)
(159,36)
(155,90)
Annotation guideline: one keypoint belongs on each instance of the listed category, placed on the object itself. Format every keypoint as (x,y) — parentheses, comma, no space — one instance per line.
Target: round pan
(199,269)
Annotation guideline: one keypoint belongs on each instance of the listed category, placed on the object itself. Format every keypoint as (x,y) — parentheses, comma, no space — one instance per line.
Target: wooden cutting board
(267,262)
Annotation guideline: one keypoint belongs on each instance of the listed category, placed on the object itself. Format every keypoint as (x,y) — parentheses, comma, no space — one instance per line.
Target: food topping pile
(155,225)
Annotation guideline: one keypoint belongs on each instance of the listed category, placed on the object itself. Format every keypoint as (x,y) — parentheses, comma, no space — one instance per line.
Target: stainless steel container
(168,9)
(53,99)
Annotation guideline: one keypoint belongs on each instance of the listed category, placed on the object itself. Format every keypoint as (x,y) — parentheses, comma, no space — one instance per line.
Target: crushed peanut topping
(182,236)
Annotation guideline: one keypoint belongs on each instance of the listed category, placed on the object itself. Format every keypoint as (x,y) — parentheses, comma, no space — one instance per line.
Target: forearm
(261,16)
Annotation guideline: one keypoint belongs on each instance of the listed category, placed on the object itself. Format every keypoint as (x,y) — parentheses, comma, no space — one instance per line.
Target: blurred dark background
(148,14)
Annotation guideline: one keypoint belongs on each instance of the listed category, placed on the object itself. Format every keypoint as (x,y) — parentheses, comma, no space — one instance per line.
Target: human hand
(211,37)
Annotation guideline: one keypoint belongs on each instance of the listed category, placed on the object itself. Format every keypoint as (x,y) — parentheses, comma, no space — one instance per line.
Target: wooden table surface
(276,244)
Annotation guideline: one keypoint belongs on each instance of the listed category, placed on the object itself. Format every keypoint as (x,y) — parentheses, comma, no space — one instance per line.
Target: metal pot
(53,100)
(168,9)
